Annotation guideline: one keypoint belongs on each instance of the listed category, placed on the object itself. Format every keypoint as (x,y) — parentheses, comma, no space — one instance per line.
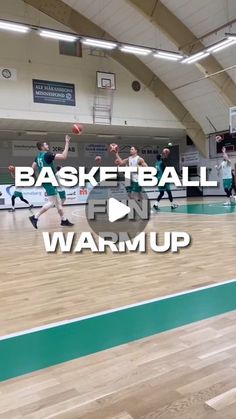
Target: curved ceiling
(207,100)
(198,105)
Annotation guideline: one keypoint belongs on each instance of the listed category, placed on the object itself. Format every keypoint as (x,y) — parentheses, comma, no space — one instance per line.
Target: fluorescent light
(168,55)
(195,57)
(135,50)
(99,44)
(58,35)
(224,46)
(221,45)
(106,135)
(36,133)
(160,138)
(13,27)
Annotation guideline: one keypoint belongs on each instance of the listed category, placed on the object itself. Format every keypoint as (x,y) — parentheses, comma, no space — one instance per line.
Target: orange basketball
(11,169)
(77,129)
(166,152)
(98,159)
(113,148)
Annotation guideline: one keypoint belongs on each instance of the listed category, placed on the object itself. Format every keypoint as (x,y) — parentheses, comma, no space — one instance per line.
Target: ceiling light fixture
(195,57)
(42,133)
(58,35)
(168,55)
(135,50)
(99,43)
(106,135)
(221,45)
(9,26)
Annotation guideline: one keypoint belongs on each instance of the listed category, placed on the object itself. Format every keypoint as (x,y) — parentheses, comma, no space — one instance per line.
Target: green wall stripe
(42,349)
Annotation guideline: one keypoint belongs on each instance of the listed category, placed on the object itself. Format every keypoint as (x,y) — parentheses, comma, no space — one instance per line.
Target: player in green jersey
(45,159)
(160,166)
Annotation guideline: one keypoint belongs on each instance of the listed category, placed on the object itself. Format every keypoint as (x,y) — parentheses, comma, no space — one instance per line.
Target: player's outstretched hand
(67,139)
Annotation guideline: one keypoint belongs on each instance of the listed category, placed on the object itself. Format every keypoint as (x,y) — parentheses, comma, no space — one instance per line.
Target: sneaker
(34,221)
(12,210)
(31,206)
(155,207)
(174,206)
(66,223)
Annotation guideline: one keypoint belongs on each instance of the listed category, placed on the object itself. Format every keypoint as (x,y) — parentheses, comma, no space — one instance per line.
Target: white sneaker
(155,206)
(174,206)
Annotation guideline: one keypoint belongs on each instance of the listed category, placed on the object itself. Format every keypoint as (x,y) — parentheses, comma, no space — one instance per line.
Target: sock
(36,215)
(63,218)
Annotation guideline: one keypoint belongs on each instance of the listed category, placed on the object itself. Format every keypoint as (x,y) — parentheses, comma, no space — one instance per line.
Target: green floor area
(39,349)
(211,208)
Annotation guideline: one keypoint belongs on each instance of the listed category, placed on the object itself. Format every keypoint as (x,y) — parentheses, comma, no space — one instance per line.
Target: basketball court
(133,334)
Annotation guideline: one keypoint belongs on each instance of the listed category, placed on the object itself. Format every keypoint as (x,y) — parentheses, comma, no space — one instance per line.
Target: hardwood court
(187,373)
(39,288)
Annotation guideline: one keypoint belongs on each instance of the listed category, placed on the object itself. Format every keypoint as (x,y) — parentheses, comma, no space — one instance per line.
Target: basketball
(77,129)
(113,148)
(166,152)
(11,168)
(98,159)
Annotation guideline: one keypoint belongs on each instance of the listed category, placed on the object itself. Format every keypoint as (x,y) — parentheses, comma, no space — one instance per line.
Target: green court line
(35,350)
(212,208)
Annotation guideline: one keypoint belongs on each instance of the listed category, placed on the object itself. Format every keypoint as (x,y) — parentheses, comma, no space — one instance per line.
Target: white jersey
(58,177)
(226,169)
(133,162)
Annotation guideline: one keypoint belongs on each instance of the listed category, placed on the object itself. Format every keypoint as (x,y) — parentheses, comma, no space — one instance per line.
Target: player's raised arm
(64,154)
(225,156)
(122,162)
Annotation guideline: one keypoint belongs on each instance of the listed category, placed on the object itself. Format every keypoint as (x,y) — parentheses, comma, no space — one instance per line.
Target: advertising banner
(53,92)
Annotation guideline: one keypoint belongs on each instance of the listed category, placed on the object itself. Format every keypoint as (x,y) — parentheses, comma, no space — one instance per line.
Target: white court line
(114,310)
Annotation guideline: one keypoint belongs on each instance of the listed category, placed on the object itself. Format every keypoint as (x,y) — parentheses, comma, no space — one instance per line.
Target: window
(72,49)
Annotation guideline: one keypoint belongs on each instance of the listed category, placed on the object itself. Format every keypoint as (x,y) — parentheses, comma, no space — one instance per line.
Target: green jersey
(160,166)
(45,159)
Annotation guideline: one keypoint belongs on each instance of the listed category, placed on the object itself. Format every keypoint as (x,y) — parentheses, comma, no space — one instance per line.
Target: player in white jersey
(226,169)
(134,160)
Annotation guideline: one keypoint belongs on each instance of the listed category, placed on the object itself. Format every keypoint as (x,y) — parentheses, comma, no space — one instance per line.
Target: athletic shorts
(18,194)
(228,183)
(62,194)
(164,188)
(50,189)
(134,187)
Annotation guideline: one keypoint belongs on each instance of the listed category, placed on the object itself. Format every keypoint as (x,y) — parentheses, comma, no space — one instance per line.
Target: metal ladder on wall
(103,106)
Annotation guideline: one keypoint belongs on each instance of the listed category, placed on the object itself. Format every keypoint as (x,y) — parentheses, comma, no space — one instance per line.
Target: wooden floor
(189,373)
(39,288)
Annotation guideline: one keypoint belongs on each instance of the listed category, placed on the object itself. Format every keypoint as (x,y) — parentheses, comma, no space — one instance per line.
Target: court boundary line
(113,310)
(37,350)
